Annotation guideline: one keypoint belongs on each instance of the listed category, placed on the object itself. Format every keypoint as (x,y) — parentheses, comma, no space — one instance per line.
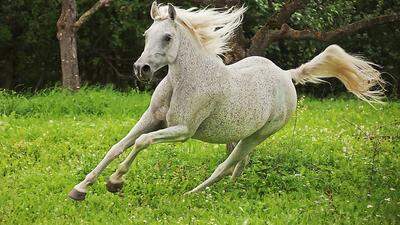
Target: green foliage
(111,40)
(59,102)
(377,44)
(328,172)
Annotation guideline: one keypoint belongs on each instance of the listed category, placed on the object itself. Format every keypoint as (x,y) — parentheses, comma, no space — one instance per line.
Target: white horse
(204,99)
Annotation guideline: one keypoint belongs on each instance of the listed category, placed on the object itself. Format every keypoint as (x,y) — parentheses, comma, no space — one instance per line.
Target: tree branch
(86,15)
(119,74)
(284,14)
(286,32)
(258,43)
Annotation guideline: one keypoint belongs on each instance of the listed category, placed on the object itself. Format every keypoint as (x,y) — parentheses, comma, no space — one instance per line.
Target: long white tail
(356,74)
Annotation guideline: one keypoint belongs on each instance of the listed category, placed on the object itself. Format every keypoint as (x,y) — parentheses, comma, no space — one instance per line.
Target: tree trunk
(66,34)
(238,45)
(7,80)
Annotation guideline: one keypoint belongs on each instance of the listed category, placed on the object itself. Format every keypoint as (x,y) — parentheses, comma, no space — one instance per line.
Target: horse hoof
(77,195)
(114,187)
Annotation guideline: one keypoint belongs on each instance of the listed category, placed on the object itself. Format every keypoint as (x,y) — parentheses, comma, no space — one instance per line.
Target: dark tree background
(288,32)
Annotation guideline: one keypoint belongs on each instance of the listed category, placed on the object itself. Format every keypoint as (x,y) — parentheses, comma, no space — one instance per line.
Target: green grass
(329,172)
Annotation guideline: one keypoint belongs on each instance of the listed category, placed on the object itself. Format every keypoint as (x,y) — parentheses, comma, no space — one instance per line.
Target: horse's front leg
(147,123)
(170,134)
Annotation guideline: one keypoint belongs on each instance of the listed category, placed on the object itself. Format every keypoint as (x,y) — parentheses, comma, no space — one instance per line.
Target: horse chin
(160,72)
(145,80)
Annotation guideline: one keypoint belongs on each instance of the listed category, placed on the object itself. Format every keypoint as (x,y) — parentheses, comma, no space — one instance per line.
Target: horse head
(161,42)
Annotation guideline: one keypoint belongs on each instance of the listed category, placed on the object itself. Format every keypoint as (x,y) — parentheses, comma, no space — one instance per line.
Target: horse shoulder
(189,106)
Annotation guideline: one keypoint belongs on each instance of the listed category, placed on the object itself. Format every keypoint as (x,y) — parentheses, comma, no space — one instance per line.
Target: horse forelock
(212,27)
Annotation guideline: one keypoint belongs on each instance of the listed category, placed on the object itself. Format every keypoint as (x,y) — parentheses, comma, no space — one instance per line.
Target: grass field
(341,165)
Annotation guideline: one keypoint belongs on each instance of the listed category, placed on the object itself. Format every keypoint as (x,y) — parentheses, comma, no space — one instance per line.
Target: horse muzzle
(142,71)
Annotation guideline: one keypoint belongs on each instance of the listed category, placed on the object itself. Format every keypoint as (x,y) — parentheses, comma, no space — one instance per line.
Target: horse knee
(143,141)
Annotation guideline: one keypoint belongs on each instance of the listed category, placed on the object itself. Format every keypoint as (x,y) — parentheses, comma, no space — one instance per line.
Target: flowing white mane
(211,26)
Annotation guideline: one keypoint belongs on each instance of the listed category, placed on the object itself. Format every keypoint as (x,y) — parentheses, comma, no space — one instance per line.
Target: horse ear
(154,13)
(171,11)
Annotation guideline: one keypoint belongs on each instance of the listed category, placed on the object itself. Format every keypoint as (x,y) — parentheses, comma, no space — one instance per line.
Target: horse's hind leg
(238,170)
(241,151)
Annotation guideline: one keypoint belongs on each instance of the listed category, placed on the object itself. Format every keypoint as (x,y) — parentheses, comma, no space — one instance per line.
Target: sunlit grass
(328,171)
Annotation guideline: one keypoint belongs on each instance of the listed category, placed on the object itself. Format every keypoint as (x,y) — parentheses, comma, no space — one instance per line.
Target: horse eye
(167,37)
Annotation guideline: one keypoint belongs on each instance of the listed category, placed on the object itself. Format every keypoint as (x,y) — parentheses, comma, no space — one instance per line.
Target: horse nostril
(146,68)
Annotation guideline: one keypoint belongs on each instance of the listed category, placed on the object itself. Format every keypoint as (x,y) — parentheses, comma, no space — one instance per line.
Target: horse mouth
(142,79)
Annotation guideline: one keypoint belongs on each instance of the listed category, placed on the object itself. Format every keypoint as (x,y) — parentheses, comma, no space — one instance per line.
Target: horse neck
(192,60)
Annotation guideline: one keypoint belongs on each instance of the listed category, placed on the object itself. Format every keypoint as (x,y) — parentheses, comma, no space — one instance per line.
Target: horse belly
(232,123)
(248,104)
